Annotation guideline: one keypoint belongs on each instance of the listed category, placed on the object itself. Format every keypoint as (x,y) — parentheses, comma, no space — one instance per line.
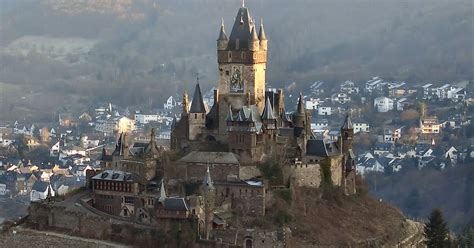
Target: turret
(254,43)
(197,114)
(262,37)
(299,116)
(208,192)
(222,40)
(347,134)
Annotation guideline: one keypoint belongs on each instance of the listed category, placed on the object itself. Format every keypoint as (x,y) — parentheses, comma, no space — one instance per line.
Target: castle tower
(197,114)
(242,59)
(347,134)
(299,117)
(208,192)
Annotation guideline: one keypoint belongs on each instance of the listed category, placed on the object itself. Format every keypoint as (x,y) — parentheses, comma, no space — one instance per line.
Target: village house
(349,88)
(429,125)
(361,126)
(40,191)
(383,104)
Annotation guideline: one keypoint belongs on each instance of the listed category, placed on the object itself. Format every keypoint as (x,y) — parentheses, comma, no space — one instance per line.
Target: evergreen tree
(436,231)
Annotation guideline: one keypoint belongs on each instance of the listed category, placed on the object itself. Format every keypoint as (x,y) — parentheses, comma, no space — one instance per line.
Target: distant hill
(158,46)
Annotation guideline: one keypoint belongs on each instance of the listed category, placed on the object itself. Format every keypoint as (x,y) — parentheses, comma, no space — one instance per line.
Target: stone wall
(307,174)
(81,222)
(245,199)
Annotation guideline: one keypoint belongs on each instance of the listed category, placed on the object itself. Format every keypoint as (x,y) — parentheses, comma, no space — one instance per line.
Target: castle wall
(310,175)
(219,172)
(81,222)
(303,175)
(245,199)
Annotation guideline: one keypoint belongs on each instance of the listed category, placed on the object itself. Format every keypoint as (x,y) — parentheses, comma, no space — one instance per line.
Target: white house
(383,104)
(145,119)
(325,109)
(312,103)
(401,103)
(40,191)
(361,126)
(340,98)
(170,103)
(349,88)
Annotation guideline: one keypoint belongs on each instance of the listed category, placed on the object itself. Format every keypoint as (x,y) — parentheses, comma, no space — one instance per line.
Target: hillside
(158,47)
(418,192)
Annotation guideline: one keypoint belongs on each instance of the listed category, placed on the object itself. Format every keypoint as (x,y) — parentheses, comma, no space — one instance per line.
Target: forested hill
(82,47)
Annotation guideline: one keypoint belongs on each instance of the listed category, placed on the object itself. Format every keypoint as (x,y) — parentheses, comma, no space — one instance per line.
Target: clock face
(236,84)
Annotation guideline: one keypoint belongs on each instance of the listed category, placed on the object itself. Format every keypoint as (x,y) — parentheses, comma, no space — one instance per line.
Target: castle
(220,149)
(250,121)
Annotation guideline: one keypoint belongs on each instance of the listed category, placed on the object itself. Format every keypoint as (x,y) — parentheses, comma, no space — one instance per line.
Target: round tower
(254,42)
(222,40)
(208,192)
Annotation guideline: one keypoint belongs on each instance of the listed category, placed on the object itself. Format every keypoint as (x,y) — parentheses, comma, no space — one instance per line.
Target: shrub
(282,217)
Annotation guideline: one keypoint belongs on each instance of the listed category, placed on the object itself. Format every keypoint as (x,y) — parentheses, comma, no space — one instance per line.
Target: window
(227,73)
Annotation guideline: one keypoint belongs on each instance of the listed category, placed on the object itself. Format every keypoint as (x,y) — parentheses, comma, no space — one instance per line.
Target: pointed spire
(347,122)
(300,110)
(104,152)
(268,111)
(118,146)
(243,3)
(222,35)
(173,123)
(254,36)
(284,116)
(207,182)
(251,118)
(230,117)
(162,192)
(197,105)
(261,32)
(241,115)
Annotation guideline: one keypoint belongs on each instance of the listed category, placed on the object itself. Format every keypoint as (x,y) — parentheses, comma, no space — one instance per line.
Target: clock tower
(242,60)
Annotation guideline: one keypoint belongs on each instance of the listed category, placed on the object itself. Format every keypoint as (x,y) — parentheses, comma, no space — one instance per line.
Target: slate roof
(268,111)
(241,30)
(222,35)
(210,157)
(111,175)
(40,186)
(175,204)
(197,105)
(316,148)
